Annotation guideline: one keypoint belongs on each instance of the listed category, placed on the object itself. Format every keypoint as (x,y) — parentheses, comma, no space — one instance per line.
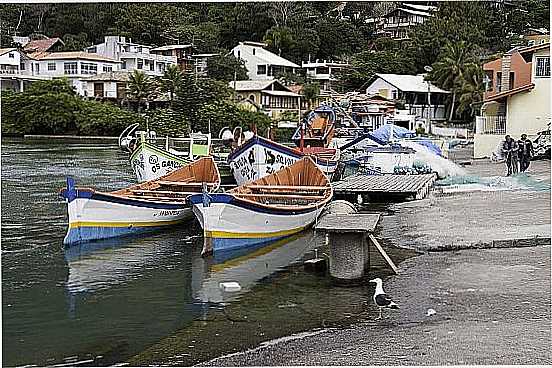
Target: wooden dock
(388,185)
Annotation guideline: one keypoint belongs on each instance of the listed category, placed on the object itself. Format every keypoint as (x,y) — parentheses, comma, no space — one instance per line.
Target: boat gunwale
(282,149)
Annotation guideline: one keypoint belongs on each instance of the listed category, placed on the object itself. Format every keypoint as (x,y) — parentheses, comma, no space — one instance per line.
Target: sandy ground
(492,305)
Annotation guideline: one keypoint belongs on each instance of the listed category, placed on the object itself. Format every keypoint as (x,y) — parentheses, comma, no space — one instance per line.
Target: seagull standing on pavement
(382,300)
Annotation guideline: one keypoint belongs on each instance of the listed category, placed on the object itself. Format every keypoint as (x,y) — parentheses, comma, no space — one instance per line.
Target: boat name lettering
(284,160)
(171,164)
(167,213)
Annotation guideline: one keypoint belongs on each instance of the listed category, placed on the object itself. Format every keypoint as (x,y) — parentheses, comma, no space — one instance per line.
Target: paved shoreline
(492,305)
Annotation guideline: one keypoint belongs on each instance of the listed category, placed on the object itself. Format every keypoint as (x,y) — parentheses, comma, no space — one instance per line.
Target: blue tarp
(384,133)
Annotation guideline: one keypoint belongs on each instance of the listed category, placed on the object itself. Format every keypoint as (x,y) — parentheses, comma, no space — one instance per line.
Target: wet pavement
(492,307)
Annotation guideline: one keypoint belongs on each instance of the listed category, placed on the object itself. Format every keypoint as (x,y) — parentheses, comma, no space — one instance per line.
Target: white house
(75,65)
(522,103)
(325,72)
(262,64)
(412,91)
(133,56)
(15,70)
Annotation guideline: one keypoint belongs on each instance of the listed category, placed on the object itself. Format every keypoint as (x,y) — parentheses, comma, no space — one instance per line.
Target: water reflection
(246,266)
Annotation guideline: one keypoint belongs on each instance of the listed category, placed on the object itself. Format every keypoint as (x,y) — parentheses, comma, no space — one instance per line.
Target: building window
(152,66)
(499,81)
(37,69)
(253,51)
(51,66)
(123,65)
(140,64)
(11,55)
(512,79)
(394,94)
(70,67)
(543,67)
(89,68)
(22,66)
(261,69)
(107,68)
(239,54)
(252,98)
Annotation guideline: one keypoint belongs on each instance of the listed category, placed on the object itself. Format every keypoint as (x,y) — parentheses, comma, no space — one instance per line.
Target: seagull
(382,300)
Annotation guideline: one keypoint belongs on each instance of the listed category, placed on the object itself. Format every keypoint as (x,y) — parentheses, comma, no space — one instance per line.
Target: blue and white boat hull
(95,216)
(232,223)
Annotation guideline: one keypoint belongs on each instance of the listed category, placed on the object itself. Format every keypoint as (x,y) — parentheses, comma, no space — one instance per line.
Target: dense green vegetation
(53,107)
(454,42)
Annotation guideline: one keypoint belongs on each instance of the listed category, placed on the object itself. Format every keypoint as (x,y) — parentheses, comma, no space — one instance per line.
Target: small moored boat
(318,130)
(267,209)
(140,208)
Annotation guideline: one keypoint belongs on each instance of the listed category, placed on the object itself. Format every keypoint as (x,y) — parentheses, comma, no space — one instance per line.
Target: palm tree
(140,87)
(448,73)
(171,81)
(471,89)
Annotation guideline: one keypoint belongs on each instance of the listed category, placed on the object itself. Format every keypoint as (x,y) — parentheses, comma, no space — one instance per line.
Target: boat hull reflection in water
(246,266)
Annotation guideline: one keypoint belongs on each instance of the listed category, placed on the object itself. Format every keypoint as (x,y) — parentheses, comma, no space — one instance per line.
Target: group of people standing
(517,154)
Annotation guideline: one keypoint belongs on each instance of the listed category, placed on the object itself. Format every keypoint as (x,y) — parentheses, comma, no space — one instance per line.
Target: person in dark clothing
(510,151)
(526,152)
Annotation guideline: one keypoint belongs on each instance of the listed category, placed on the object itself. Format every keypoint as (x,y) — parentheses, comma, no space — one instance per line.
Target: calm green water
(146,300)
(101,302)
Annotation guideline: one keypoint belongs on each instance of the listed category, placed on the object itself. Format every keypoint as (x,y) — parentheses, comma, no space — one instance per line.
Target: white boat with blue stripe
(267,209)
(137,209)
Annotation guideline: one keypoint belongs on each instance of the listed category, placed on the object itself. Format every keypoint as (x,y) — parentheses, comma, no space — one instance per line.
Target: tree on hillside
(171,81)
(451,70)
(279,39)
(140,87)
(365,64)
(226,68)
(311,91)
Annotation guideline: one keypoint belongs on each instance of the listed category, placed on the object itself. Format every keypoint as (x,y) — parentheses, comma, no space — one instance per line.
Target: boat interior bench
(165,192)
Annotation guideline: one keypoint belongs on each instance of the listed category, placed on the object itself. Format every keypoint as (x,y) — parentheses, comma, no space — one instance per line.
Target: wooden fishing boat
(318,130)
(140,208)
(259,157)
(267,209)
(152,157)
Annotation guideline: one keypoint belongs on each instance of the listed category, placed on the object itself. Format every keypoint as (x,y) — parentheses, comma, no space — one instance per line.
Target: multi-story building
(262,64)
(273,97)
(183,54)
(74,65)
(325,73)
(411,93)
(517,97)
(133,56)
(15,70)
(398,23)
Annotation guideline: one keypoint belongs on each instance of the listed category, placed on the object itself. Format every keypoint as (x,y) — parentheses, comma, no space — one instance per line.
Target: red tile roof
(511,92)
(41,45)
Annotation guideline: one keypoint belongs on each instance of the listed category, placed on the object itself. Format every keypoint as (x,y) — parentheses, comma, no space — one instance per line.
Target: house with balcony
(517,97)
(325,73)
(411,93)
(398,23)
(273,97)
(133,56)
(262,64)
(183,54)
(15,70)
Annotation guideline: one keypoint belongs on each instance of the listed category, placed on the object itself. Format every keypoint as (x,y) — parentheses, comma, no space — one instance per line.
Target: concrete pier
(348,242)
